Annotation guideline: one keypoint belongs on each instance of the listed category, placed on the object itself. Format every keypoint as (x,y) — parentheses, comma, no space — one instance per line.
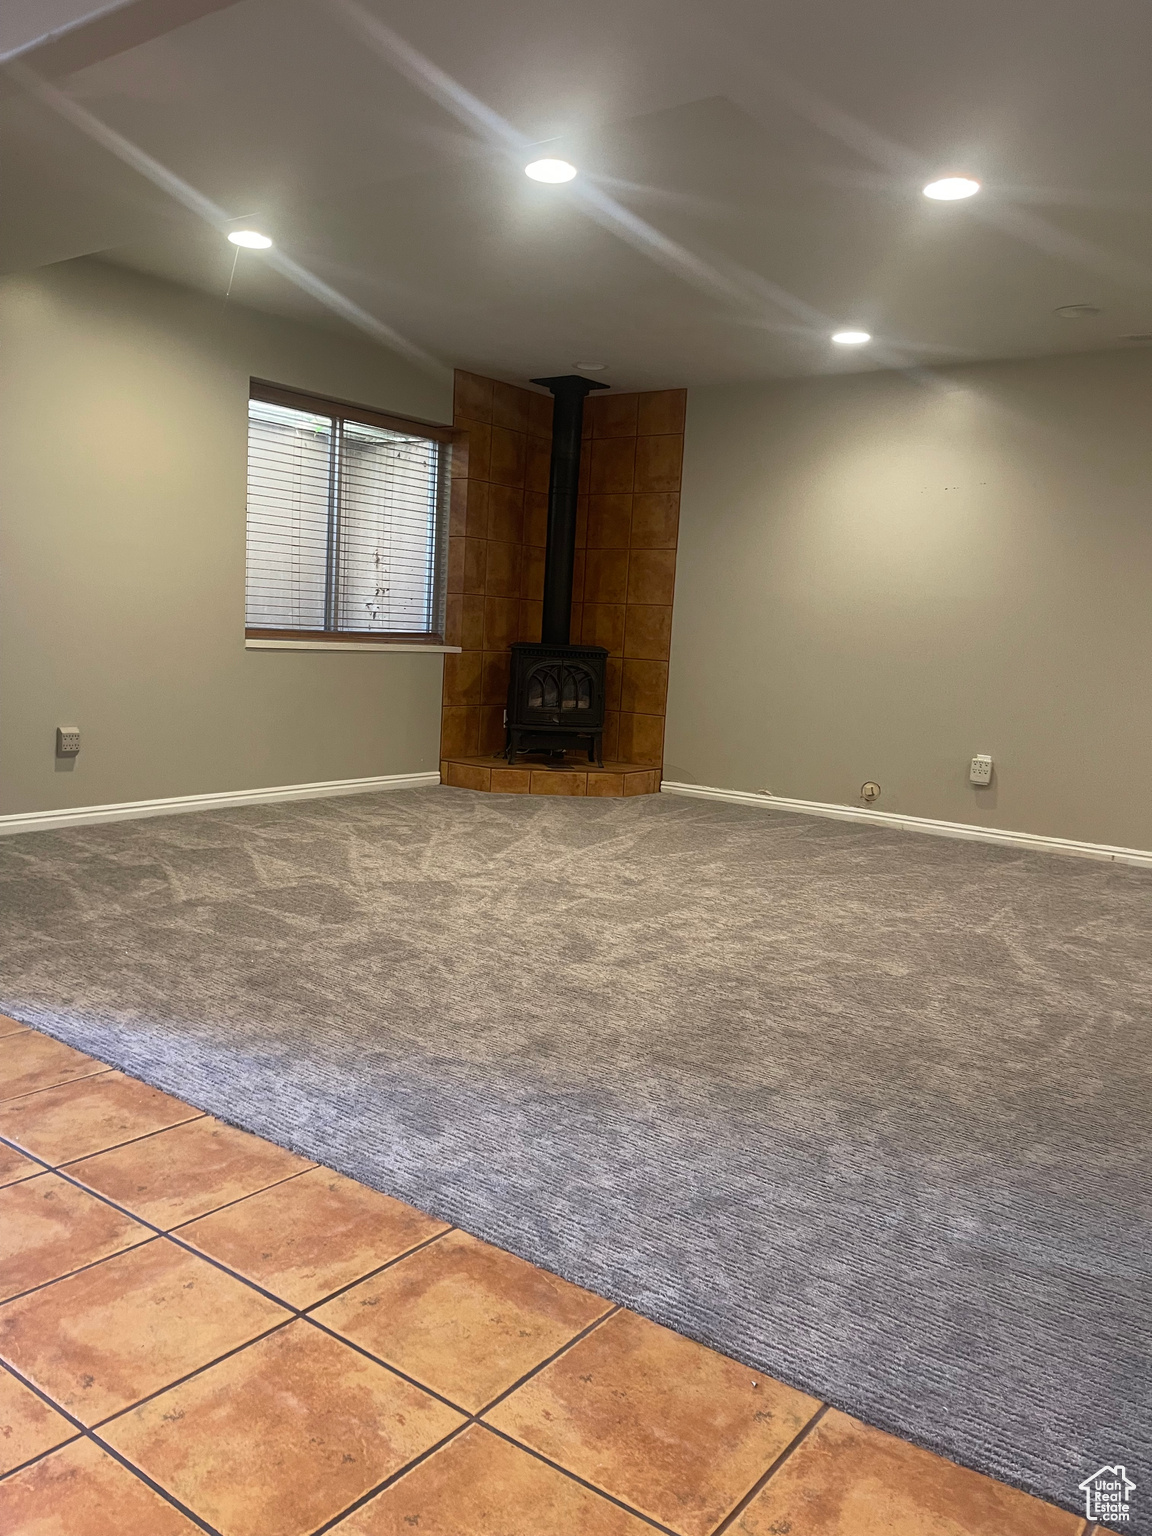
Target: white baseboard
(129,810)
(1029,840)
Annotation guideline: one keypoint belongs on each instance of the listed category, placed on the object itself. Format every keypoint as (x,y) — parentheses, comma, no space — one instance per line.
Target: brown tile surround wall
(625,555)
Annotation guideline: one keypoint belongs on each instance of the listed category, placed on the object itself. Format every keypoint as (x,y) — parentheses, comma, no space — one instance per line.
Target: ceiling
(750,172)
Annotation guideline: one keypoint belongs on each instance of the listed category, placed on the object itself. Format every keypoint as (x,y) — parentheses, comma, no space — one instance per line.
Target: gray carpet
(867,1110)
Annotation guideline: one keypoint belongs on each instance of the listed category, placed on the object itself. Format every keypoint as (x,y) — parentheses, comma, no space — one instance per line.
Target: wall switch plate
(67,740)
(981,770)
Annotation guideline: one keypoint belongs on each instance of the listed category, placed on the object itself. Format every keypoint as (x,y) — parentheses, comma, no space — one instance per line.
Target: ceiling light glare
(550,170)
(590,367)
(250,239)
(850,338)
(950,189)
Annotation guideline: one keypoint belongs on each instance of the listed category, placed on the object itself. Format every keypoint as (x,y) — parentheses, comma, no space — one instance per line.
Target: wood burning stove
(556,698)
(556,689)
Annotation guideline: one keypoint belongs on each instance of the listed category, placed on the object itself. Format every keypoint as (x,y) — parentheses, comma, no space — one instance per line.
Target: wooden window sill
(350,646)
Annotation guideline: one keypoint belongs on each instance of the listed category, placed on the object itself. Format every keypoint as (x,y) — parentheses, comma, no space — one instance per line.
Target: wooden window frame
(437,432)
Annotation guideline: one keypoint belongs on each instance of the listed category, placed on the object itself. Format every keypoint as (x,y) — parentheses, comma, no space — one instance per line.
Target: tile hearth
(574,776)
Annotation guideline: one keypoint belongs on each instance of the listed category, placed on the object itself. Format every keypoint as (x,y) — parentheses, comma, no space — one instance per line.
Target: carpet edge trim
(87,815)
(1033,841)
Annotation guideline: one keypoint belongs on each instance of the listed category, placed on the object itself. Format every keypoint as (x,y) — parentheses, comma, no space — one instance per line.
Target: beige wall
(880,576)
(123,411)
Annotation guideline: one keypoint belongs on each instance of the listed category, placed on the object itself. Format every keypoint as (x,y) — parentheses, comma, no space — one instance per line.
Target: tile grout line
(87,1434)
(394,1477)
(216,1209)
(81,1269)
(388,1366)
(164,1129)
(104,1070)
(80,1078)
(536,1369)
(170,1234)
(60,1170)
(156,1487)
(576,1478)
(762,1481)
(257,1338)
(379,1270)
(41,1455)
(197,1114)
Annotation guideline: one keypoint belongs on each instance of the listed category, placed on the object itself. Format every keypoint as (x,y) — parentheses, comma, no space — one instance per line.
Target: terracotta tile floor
(203,1332)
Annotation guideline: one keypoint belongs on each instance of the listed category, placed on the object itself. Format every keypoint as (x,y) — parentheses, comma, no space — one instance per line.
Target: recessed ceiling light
(1076,311)
(250,239)
(590,367)
(950,189)
(550,170)
(850,338)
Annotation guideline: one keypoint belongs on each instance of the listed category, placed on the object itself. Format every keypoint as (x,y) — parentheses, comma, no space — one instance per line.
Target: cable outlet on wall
(67,740)
(981,770)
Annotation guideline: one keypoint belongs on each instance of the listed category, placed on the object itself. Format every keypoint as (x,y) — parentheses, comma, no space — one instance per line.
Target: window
(345,521)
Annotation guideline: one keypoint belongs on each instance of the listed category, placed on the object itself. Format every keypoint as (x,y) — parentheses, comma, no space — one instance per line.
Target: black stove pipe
(568,391)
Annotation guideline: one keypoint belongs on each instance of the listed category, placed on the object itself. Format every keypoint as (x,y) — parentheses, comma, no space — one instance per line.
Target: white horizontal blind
(343,524)
(290,456)
(388,501)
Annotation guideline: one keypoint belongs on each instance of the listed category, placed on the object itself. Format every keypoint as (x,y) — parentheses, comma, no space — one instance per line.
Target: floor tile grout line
(295,1314)
(81,1269)
(390,1480)
(240,1199)
(23,1179)
(104,1070)
(124,1210)
(387,1364)
(237,1349)
(197,1114)
(158,1488)
(298,1315)
(161,1232)
(40,1455)
(88,1434)
(576,1478)
(80,1078)
(543,1364)
(70,1418)
(149,1136)
(379,1270)
(765,1477)
(15,1147)
(51,1167)
(60,1169)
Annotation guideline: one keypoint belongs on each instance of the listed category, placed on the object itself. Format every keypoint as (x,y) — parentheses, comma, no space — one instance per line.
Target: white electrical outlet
(981,770)
(67,740)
